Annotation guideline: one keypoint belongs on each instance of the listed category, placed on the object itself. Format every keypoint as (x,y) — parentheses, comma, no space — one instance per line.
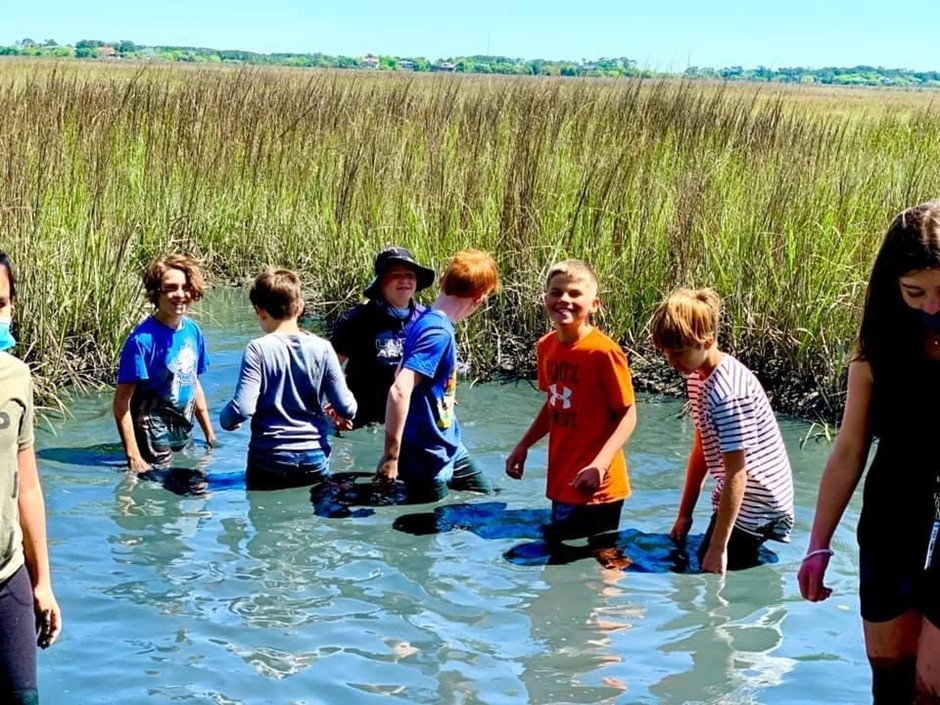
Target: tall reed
(777,198)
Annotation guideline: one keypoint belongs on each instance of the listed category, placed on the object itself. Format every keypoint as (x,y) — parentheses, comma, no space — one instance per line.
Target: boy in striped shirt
(737,439)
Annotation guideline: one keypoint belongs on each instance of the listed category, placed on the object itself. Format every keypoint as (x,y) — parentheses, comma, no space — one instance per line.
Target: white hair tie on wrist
(818,552)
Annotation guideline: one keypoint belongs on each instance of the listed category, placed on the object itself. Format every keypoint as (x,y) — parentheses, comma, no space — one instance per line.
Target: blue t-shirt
(431,434)
(165,363)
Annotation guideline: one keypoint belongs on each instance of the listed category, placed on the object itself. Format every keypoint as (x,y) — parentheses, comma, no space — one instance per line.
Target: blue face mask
(931,320)
(401,313)
(7,340)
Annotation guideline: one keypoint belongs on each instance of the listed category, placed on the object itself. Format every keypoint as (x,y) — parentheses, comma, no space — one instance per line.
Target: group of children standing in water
(401,370)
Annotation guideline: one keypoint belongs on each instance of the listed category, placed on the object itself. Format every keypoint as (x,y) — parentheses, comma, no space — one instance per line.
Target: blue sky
(661,35)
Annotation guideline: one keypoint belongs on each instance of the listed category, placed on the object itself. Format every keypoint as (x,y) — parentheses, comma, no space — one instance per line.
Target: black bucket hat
(397,255)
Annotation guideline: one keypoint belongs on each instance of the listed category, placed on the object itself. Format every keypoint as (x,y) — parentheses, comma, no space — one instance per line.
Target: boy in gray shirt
(286,377)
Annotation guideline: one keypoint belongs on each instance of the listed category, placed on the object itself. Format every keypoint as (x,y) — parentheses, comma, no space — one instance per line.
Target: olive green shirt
(16,433)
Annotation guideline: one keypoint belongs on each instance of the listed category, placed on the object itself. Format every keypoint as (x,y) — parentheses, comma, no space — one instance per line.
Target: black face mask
(931,320)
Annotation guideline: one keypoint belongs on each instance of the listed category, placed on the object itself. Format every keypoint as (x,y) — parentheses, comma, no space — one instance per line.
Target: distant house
(107,52)
(444,67)
(405,65)
(369,62)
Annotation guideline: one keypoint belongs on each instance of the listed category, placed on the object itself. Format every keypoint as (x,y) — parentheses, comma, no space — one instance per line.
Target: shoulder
(356,313)
(13,369)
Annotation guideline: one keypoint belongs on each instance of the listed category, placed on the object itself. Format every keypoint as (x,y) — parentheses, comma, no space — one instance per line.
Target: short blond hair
(686,318)
(573,269)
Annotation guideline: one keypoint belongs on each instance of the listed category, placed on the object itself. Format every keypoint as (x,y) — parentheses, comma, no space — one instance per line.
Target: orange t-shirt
(589,387)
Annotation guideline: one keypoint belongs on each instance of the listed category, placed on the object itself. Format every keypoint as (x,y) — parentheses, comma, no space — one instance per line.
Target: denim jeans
(426,482)
(280,469)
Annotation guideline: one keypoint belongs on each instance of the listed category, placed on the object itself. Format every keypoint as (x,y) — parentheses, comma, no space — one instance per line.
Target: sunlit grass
(776,197)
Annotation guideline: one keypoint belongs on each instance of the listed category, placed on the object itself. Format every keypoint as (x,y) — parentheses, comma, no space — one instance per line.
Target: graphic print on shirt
(445,405)
(563,380)
(389,347)
(182,369)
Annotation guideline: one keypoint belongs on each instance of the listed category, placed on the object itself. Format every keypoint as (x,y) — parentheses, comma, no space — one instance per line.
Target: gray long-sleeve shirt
(285,380)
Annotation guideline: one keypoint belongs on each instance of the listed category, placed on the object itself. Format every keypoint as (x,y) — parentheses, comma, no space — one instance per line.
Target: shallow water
(226,596)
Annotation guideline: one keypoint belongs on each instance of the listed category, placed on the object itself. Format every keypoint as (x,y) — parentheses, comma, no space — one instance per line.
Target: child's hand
(715,560)
(515,463)
(811,575)
(48,617)
(339,423)
(587,481)
(210,440)
(387,471)
(137,465)
(680,530)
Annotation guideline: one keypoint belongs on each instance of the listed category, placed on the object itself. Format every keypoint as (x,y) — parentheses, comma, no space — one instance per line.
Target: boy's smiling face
(570,301)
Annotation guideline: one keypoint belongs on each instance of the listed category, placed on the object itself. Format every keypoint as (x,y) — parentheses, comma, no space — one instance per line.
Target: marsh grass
(777,198)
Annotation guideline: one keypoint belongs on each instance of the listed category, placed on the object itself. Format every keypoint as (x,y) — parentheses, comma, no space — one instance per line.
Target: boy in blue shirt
(158,392)
(422,437)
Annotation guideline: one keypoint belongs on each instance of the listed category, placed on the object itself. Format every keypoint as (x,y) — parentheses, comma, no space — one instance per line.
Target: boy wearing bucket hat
(371,336)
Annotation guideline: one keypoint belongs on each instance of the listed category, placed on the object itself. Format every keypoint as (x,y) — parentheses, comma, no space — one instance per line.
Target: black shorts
(888,588)
(743,547)
(574,521)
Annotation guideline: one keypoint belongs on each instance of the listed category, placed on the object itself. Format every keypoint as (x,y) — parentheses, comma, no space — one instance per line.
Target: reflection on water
(183,587)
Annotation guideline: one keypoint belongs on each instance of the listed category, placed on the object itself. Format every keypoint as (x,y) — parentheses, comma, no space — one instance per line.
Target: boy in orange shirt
(589,412)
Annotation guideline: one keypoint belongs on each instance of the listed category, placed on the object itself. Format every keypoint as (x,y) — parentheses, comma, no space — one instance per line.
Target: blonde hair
(686,318)
(573,269)
(471,273)
(153,276)
(277,291)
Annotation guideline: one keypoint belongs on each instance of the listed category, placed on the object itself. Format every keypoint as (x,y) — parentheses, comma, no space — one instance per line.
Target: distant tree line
(478,64)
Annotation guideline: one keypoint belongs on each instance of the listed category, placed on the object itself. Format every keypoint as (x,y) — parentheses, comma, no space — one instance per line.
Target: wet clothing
(17,618)
(588,388)
(898,499)
(460,474)
(281,469)
(284,383)
(165,364)
(572,521)
(18,679)
(743,546)
(432,435)
(432,457)
(731,412)
(372,337)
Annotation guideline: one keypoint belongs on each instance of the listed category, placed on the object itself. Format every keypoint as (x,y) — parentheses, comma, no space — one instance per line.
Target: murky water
(235,597)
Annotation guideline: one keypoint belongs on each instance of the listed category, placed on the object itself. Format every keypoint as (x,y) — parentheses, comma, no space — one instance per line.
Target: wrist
(828,552)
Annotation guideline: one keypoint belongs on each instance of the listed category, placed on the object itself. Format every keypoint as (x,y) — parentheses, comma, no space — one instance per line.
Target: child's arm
(715,559)
(696,470)
(342,404)
(840,478)
(247,390)
(121,408)
(202,415)
(396,411)
(515,463)
(35,546)
(588,480)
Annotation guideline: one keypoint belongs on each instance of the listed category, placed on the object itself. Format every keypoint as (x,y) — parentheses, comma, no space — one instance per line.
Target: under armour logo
(564,396)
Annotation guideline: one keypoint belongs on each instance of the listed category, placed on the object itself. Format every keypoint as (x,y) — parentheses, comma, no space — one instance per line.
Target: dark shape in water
(335,498)
(102,455)
(628,549)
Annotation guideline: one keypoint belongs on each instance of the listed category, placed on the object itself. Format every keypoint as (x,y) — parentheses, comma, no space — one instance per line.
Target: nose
(932,304)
